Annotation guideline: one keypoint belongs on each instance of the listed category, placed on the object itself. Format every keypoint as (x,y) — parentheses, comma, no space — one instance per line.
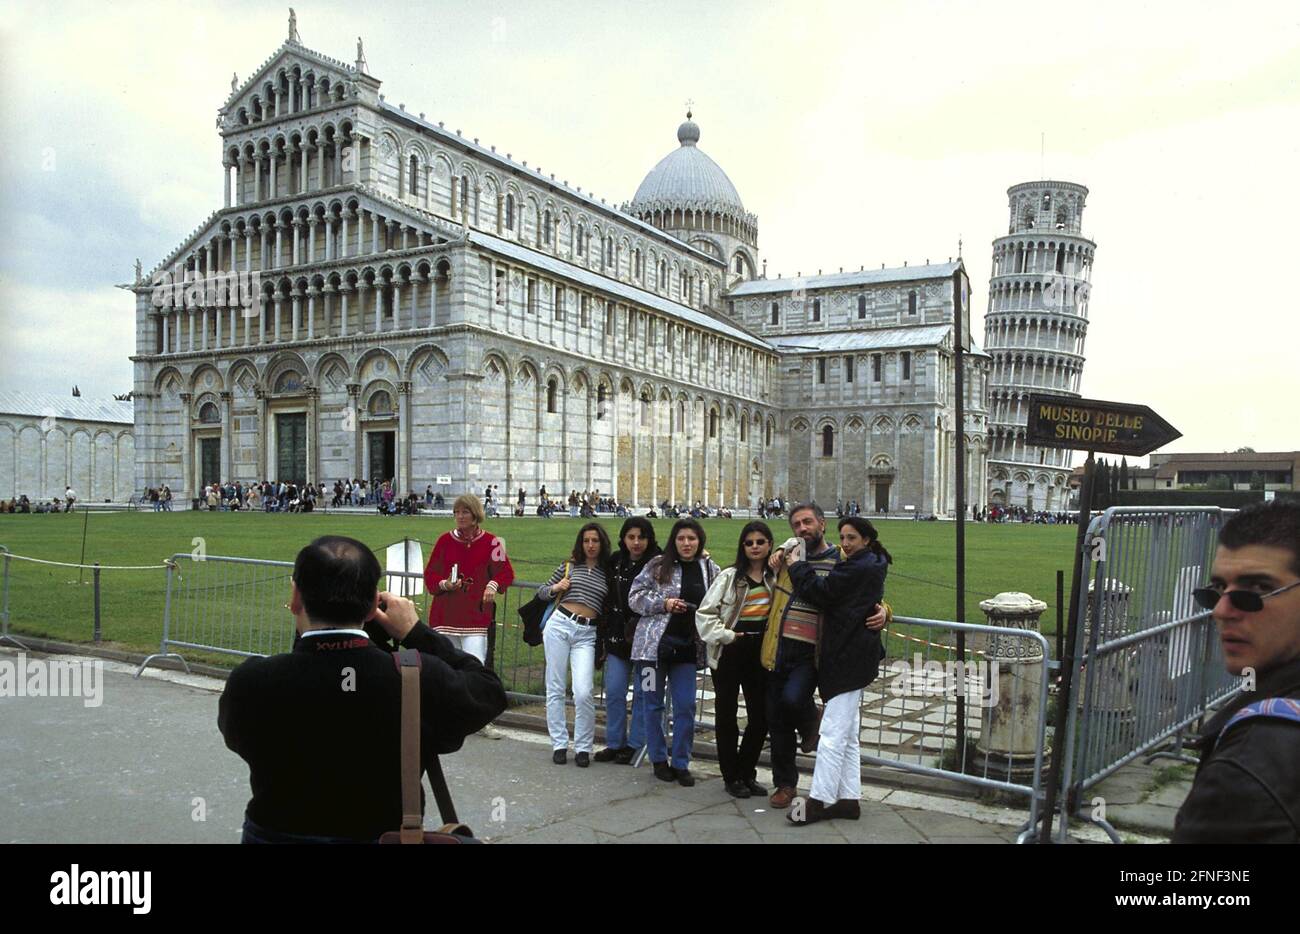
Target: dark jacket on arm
(320,728)
(1247,787)
(848,653)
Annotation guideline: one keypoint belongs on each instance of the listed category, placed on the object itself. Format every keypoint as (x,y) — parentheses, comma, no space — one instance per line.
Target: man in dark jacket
(1247,787)
(320,726)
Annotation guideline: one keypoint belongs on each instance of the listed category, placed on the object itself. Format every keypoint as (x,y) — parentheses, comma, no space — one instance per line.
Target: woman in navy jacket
(848,659)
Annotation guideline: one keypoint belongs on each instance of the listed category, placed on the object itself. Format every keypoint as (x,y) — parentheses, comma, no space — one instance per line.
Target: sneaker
(782,797)
(685,778)
(738,789)
(560,756)
(811,812)
(755,788)
(491,732)
(845,808)
(606,755)
(664,772)
(582,760)
(625,756)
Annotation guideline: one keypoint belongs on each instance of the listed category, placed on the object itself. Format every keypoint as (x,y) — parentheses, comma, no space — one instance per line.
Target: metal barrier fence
(1151,663)
(223,605)
(910,712)
(4,602)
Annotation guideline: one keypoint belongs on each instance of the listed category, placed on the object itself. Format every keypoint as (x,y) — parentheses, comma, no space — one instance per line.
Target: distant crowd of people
(996,513)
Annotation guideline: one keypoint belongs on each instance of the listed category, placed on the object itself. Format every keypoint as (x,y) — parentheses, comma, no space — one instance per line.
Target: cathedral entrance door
(209,461)
(381,455)
(882,496)
(291,447)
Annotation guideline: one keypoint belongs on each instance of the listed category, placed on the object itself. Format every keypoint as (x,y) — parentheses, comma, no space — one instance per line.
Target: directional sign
(1093,425)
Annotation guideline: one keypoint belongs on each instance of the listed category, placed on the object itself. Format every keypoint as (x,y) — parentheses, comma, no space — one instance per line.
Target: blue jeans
(681,682)
(617,672)
(790,707)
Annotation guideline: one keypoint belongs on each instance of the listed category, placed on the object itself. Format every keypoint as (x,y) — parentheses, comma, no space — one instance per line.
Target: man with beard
(790,652)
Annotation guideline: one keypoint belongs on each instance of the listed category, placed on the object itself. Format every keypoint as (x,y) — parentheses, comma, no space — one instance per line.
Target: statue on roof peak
(293,27)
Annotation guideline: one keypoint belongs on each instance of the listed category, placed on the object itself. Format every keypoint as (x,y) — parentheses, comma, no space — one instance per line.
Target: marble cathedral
(382,297)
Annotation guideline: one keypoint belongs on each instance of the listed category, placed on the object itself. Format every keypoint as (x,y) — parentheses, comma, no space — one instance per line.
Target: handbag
(536,612)
(412,830)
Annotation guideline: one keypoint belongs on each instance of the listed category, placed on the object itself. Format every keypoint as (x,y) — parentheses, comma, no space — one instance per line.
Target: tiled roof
(838,280)
(72,408)
(629,293)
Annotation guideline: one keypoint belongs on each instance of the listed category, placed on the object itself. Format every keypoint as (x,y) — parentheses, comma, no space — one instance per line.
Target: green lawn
(48,601)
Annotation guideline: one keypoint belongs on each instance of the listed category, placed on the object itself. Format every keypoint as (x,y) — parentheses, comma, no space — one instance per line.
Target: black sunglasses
(756,541)
(1247,601)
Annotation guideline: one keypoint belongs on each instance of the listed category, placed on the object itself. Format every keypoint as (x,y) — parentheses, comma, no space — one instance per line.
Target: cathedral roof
(630,293)
(69,408)
(687,178)
(822,342)
(844,279)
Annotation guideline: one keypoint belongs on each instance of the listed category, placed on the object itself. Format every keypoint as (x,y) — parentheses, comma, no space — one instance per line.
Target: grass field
(49,602)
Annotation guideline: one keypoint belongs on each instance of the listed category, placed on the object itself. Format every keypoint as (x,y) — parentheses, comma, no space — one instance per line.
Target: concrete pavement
(148,764)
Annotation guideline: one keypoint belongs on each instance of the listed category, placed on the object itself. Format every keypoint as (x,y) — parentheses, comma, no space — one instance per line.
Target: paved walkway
(148,763)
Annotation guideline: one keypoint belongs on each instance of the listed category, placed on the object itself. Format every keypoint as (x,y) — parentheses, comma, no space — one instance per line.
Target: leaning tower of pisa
(1034,331)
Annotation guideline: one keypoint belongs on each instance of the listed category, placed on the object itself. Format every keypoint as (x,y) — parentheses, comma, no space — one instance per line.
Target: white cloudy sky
(860,133)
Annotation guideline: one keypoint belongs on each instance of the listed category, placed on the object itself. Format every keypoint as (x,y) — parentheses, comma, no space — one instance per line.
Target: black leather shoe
(625,756)
(810,812)
(606,755)
(582,760)
(755,788)
(560,756)
(664,772)
(845,808)
(685,778)
(738,789)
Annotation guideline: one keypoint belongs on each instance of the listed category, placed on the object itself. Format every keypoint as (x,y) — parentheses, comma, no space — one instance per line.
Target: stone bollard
(1009,711)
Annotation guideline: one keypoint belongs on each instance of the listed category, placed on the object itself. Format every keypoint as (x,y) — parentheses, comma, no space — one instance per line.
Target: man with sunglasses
(1247,787)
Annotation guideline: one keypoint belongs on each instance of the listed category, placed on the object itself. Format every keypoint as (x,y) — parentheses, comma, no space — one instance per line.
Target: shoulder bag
(412,830)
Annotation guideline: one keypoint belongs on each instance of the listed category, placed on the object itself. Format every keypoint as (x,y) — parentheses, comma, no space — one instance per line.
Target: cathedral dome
(687,178)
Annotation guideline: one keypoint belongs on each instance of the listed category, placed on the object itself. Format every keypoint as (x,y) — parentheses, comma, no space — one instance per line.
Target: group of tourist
(996,513)
(159,497)
(777,624)
(698,510)
(22,504)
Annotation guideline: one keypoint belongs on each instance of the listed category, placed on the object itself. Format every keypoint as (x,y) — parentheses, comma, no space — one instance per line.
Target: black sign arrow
(1094,425)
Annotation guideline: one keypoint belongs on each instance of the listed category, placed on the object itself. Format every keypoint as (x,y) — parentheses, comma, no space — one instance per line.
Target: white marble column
(296,315)
(343,309)
(311,239)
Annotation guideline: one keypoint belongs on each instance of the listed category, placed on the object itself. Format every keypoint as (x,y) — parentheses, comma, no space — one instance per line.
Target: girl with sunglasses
(731,621)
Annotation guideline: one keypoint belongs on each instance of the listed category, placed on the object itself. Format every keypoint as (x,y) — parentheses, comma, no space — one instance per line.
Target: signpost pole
(958,296)
(1063,696)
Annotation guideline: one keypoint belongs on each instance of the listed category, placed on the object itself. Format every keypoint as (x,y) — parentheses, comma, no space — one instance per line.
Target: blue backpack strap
(1277,708)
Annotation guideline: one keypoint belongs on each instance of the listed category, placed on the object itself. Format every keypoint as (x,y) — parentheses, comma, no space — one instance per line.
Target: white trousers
(837,775)
(474,645)
(568,644)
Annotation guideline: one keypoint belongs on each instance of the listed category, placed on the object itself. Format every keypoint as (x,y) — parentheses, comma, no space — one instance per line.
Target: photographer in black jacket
(320,726)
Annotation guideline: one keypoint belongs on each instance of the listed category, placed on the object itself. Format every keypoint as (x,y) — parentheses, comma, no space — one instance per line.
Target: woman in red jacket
(466,571)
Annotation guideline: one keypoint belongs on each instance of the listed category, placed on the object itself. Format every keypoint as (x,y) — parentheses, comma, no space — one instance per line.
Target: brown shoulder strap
(408,663)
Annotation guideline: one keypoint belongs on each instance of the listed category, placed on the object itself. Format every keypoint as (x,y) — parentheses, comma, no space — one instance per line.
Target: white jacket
(716,617)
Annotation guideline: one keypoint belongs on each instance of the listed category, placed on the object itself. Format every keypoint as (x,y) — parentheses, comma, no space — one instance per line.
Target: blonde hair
(471,503)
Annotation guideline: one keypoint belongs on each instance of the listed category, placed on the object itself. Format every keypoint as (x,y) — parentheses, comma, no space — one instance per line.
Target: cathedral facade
(382,297)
